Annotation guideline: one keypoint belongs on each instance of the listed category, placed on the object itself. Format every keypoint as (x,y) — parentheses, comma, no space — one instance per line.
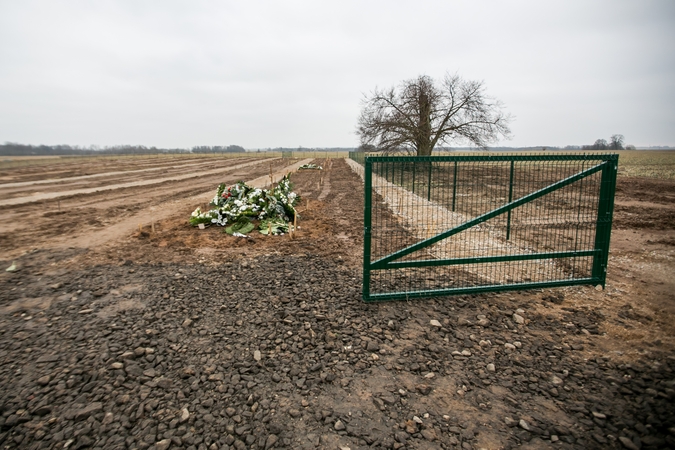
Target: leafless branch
(422,114)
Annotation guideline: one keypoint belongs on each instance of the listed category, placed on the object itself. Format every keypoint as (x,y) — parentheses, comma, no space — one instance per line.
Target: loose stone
(372,346)
(185,415)
(164,444)
(628,443)
(270,441)
(87,411)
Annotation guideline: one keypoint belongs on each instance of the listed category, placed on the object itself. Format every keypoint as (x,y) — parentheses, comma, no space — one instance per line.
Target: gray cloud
(266,73)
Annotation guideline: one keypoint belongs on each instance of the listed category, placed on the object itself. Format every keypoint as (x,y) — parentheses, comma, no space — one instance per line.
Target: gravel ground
(261,349)
(278,351)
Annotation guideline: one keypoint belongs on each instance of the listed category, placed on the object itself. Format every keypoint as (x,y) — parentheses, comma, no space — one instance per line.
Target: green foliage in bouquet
(237,206)
(273,226)
(242,226)
(310,166)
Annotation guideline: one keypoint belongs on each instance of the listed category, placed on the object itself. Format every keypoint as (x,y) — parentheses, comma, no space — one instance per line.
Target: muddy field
(123,327)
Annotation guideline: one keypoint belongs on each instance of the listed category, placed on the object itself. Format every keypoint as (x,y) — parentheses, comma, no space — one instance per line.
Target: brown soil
(109,206)
(148,225)
(641,267)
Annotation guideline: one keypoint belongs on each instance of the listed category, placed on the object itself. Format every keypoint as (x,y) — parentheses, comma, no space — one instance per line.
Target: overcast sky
(293,73)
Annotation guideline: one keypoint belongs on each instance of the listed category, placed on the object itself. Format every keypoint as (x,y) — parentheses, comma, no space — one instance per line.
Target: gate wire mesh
(557,235)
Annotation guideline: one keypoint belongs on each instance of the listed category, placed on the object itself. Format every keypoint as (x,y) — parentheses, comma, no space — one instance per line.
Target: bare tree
(616,142)
(422,114)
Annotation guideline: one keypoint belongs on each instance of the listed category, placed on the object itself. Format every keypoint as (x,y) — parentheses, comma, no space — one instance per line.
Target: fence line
(407,207)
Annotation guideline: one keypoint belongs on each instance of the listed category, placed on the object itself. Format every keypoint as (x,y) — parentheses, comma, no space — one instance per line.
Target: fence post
(431,165)
(508,216)
(603,227)
(367,218)
(454,187)
(414,165)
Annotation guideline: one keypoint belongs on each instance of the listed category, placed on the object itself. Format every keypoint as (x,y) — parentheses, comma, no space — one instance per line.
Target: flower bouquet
(310,166)
(240,208)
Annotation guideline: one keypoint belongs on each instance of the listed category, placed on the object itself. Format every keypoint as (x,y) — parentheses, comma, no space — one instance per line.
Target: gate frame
(608,165)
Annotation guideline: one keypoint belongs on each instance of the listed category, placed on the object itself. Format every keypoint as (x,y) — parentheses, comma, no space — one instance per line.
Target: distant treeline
(12,149)
(218,149)
(307,149)
(615,143)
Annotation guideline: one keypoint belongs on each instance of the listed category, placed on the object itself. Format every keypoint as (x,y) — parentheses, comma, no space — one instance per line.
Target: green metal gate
(468,224)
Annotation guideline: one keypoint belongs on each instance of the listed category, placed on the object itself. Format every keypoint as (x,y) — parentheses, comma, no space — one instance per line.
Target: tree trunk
(424,149)
(424,128)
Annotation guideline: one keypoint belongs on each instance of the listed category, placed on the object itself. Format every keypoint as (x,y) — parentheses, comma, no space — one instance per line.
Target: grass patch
(647,163)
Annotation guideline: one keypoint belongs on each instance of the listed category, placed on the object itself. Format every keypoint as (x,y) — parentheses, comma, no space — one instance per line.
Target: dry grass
(647,163)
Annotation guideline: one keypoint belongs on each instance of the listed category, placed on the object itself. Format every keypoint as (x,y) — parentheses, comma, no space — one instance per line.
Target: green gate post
(508,217)
(431,165)
(367,226)
(603,227)
(454,187)
(413,177)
